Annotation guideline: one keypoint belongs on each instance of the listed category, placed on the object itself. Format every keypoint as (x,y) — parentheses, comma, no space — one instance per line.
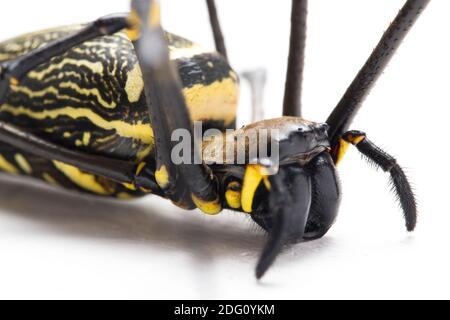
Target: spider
(93,108)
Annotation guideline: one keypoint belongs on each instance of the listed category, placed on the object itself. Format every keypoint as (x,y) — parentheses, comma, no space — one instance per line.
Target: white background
(59,245)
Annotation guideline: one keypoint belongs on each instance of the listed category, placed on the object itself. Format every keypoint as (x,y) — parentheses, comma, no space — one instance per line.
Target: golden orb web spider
(93,108)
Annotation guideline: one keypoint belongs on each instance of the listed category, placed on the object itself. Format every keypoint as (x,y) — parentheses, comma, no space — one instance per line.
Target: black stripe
(198,70)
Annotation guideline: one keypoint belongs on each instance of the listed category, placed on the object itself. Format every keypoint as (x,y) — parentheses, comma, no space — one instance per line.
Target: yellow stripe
(96,67)
(23,163)
(140,167)
(62,75)
(84,180)
(129,186)
(139,131)
(135,84)
(6,166)
(342,150)
(143,153)
(357,140)
(42,93)
(233,197)
(252,180)
(50,179)
(87,92)
(86,138)
(208,207)
(186,52)
(216,101)
(134,32)
(154,15)
(145,190)
(162,177)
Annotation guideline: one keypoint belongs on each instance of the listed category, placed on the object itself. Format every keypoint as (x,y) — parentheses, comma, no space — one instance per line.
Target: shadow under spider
(66,213)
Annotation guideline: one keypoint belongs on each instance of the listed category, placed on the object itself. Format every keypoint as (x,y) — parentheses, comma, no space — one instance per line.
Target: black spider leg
(294,76)
(14,70)
(217,30)
(289,205)
(117,170)
(344,113)
(400,183)
(187,182)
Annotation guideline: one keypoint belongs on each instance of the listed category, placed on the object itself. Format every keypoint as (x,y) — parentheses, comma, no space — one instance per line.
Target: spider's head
(273,186)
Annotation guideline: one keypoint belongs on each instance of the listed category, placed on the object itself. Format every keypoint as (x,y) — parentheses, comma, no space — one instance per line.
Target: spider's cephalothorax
(94,107)
(298,201)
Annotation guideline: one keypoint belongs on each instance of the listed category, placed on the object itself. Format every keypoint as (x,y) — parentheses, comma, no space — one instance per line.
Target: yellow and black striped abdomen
(92,99)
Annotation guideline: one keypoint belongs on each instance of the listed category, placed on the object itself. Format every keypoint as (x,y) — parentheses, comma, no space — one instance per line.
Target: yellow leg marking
(23,163)
(211,208)
(135,84)
(233,197)
(162,177)
(138,131)
(342,149)
(143,153)
(357,140)
(344,143)
(6,166)
(267,183)
(84,180)
(129,186)
(254,175)
(140,167)
(49,179)
(145,190)
(134,32)
(154,15)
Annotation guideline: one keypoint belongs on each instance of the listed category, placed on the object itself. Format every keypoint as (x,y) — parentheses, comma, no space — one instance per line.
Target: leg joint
(354,137)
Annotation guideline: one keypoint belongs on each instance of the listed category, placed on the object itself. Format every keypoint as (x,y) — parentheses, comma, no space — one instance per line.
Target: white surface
(58,245)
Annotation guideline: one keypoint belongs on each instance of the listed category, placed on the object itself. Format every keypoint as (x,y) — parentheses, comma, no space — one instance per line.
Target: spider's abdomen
(92,98)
